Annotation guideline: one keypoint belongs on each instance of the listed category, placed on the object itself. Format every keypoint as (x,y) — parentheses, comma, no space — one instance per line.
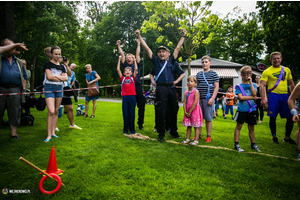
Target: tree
(237,39)
(170,17)
(281,29)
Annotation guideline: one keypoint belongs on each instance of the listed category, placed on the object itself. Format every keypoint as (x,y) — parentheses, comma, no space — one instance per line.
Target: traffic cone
(52,165)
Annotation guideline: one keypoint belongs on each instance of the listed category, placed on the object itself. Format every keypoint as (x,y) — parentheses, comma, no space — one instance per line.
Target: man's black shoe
(15,136)
(177,136)
(275,140)
(141,127)
(160,139)
(290,140)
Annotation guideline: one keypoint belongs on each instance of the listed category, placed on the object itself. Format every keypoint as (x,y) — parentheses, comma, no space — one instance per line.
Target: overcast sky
(224,7)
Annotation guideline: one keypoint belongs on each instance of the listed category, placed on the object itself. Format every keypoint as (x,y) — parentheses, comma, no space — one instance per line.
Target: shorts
(227,110)
(207,111)
(12,103)
(278,103)
(53,87)
(249,118)
(66,101)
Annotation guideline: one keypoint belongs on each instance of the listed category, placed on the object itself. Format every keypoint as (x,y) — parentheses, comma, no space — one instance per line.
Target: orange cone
(52,165)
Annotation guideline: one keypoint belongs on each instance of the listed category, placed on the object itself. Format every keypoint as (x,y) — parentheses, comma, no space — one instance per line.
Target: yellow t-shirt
(271,76)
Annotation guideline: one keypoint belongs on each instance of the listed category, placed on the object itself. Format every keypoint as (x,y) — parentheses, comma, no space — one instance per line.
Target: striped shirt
(211,77)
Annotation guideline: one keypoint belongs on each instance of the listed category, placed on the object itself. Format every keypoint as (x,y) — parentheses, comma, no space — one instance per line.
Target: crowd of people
(201,100)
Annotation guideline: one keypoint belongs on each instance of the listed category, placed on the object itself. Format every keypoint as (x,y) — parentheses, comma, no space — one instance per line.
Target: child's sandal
(194,143)
(187,141)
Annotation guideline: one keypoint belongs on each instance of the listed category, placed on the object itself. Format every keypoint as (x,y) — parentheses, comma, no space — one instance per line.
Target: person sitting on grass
(294,105)
(192,111)
(246,92)
(229,102)
(128,96)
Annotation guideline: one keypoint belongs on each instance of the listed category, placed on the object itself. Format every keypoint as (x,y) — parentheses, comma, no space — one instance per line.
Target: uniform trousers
(166,99)
(128,108)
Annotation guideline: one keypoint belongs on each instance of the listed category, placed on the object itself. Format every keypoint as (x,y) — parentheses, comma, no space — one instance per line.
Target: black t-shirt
(55,69)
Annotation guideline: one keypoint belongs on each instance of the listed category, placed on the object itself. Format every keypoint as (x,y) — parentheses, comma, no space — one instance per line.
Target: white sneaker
(237,147)
(75,127)
(56,129)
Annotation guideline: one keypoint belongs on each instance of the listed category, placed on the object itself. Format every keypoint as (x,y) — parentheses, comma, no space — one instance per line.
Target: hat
(163,47)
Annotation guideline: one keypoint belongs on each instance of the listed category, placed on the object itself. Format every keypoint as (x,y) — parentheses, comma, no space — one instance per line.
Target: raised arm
(118,67)
(135,69)
(138,50)
(143,43)
(4,49)
(180,43)
(121,51)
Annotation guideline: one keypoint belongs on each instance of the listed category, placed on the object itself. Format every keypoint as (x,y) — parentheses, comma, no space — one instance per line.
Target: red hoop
(53,191)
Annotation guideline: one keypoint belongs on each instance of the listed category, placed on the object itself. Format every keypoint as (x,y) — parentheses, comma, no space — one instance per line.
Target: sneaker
(237,147)
(208,139)
(154,130)
(290,140)
(56,129)
(75,127)
(298,156)
(255,148)
(214,117)
(275,140)
(225,118)
(232,118)
(160,139)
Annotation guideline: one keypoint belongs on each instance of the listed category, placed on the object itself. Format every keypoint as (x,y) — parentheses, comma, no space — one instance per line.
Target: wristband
(294,111)
(183,36)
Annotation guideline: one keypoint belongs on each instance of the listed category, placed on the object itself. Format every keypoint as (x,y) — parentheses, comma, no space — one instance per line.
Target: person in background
(91,77)
(13,78)
(229,102)
(260,109)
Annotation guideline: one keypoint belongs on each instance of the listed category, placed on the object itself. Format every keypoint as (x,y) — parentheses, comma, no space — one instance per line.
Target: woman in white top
(55,74)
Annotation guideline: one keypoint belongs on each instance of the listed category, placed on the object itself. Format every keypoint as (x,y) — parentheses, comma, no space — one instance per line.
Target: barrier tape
(43,92)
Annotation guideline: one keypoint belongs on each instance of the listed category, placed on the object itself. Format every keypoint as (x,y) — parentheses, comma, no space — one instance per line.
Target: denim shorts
(53,87)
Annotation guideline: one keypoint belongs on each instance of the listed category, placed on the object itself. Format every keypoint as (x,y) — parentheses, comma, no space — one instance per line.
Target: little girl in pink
(192,111)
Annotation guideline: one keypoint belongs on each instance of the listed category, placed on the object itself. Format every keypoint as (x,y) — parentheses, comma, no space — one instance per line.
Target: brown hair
(245,68)
(6,40)
(127,68)
(206,57)
(275,53)
(53,48)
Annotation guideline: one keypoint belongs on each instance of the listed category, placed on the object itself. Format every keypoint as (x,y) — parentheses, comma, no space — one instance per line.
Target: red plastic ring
(53,191)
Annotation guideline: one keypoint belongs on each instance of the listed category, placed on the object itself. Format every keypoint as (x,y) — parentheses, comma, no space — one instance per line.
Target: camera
(64,58)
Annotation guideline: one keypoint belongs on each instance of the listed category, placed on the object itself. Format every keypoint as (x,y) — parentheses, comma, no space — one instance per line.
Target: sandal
(85,115)
(187,141)
(92,116)
(194,143)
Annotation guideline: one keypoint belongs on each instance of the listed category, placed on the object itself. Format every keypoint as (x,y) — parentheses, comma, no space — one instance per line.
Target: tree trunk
(10,31)
(33,69)
(189,66)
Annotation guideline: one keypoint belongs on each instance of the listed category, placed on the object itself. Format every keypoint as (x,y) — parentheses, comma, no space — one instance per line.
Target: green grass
(100,163)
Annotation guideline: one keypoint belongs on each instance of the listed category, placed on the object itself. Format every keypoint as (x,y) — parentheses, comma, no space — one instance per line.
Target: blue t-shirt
(71,78)
(170,70)
(91,77)
(10,74)
(243,105)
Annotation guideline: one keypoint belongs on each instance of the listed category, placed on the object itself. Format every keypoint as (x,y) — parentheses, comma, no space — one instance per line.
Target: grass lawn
(99,162)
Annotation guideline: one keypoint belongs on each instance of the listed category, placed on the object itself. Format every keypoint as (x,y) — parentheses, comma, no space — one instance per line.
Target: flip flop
(92,116)
(85,116)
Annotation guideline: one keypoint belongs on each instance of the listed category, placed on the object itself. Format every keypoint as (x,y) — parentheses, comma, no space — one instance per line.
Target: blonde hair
(244,68)
(206,57)
(275,53)
(130,54)
(193,78)
(88,65)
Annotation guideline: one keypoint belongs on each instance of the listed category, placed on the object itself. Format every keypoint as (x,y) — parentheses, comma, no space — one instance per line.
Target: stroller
(79,109)
(30,102)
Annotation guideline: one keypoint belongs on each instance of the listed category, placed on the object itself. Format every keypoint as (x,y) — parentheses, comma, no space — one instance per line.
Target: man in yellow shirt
(278,95)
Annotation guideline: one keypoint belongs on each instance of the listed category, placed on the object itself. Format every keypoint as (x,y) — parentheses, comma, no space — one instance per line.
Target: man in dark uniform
(12,80)
(164,70)
(140,98)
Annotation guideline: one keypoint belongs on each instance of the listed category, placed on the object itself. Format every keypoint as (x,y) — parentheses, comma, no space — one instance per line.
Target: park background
(101,163)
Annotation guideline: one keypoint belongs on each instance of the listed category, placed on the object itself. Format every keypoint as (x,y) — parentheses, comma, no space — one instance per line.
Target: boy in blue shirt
(246,92)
